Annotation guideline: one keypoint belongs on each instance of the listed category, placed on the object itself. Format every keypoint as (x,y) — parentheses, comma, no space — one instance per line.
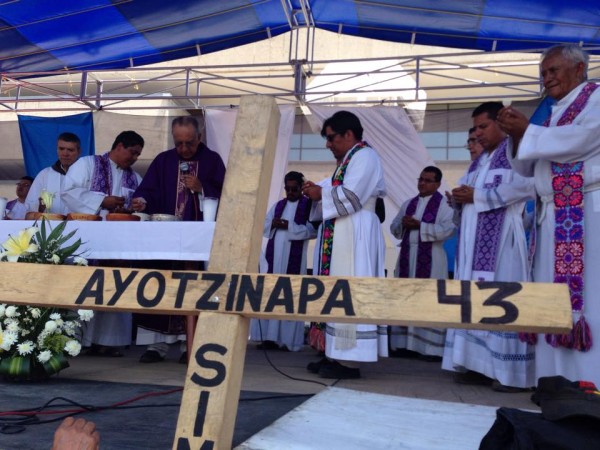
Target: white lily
(21,245)
(47,199)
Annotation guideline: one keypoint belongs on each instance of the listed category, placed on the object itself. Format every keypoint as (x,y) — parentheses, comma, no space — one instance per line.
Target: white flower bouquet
(35,342)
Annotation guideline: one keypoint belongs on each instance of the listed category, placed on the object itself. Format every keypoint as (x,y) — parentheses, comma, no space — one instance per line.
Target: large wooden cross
(231,292)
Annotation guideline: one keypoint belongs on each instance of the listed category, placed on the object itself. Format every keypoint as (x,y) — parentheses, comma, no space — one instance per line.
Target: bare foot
(76,435)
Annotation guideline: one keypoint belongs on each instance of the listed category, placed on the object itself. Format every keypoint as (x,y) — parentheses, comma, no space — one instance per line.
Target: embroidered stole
(568,187)
(424,259)
(329,225)
(489,223)
(296,246)
(102,176)
(183,193)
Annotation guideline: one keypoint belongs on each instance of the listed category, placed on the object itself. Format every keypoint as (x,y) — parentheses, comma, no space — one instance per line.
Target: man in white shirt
(52,179)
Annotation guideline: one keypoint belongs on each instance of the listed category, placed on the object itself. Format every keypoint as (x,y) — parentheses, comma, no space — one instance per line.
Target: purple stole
(423,269)
(183,193)
(297,246)
(568,186)
(11,204)
(102,176)
(329,225)
(489,223)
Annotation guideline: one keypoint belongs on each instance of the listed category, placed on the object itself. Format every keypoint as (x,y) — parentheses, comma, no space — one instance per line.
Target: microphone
(184,168)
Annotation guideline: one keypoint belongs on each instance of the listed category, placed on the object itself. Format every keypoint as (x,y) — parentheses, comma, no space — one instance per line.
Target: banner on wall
(39,136)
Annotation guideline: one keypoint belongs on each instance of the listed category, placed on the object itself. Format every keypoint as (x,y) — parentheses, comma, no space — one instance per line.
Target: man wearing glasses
(17,209)
(288,230)
(174,184)
(350,241)
(423,224)
(473,145)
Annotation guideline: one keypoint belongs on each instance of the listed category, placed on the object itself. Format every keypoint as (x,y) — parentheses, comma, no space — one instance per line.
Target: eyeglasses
(331,137)
(292,189)
(425,180)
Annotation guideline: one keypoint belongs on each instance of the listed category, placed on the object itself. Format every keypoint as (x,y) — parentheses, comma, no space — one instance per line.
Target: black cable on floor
(279,370)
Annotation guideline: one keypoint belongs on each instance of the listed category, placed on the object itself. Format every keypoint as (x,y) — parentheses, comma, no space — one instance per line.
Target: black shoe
(429,358)
(403,353)
(471,377)
(268,345)
(499,387)
(151,356)
(339,372)
(183,358)
(314,367)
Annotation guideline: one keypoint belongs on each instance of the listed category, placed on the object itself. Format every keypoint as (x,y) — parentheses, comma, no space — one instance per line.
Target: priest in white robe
(491,199)
(288,229)
(423,224)
(52,179)
(97,185)
(349,240)
(563,155)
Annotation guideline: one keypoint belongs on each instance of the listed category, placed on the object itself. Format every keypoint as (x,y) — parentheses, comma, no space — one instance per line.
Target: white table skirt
(189,241)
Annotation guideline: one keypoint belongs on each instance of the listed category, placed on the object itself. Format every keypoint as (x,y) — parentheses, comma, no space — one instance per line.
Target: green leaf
(16,366)
(57,231)
(55,364)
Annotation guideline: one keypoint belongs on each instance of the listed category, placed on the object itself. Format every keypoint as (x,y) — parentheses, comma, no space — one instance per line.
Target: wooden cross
(231,292)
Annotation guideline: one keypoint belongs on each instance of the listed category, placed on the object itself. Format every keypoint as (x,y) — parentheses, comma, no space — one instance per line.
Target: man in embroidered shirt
(99,184)
(563,155)
(17,209)
(350,241)
(491,199)
(423,224)
(288,230)
(52,179)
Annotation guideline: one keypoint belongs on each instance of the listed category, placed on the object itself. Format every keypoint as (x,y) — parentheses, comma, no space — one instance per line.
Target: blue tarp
(43,35)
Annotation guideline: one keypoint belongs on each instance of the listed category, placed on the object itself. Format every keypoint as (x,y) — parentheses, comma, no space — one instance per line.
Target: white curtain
(220,125)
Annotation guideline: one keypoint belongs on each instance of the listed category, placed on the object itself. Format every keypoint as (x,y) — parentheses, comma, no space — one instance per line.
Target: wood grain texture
(393,301)
(235,247)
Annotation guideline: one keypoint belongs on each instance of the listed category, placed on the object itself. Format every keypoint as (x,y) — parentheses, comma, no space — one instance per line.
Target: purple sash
(102,176)
(423,269)
(297,246)
(489,223)
(568,186)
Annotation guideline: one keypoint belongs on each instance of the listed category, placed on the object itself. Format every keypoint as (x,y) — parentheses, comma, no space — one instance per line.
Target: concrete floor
(400,377)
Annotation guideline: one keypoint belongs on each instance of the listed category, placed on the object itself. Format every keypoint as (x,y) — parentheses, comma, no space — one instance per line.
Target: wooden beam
(214,376)
(536,307)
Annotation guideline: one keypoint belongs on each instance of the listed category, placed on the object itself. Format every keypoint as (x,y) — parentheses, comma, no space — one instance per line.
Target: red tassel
(582,335)
(530,338)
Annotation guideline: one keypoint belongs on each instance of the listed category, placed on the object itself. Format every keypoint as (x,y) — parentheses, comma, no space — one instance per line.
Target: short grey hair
(570,52)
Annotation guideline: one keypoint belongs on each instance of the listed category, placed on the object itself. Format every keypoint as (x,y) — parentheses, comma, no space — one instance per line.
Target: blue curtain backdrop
(39,136)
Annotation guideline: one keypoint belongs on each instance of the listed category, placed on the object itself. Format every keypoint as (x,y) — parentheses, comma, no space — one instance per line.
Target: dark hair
(128,139)
(28,178)
(472,130)
(294,176)
(437,172)
(491,108)
(184,121)
(70,137)
(343,121)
